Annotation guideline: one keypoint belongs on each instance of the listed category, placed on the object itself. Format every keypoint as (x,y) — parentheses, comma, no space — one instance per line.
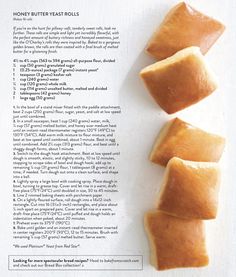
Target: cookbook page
(77,126)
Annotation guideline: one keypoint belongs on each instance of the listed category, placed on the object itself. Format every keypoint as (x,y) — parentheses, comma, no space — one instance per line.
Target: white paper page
(77,126)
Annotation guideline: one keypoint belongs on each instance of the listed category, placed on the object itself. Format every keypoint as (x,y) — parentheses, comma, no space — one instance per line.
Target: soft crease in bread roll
(183,27)
(180,80)
(175,242)
(181,139)
(190,189)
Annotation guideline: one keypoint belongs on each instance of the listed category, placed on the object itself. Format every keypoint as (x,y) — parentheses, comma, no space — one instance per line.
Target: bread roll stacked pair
(189,192)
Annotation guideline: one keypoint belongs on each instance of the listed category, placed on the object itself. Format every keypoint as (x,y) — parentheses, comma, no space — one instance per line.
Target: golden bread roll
(180,80)
(190,189)
(183,27)
(180,139)
(175,242)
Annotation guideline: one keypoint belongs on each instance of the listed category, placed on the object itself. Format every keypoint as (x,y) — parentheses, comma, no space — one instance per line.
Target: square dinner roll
(181,139)
(183,27)
(180,80)
(190,189)
(175,242)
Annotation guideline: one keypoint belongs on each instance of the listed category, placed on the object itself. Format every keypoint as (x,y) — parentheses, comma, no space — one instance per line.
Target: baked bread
(183,27)
(180,80)
(175,242)
(181,139)
(190,189)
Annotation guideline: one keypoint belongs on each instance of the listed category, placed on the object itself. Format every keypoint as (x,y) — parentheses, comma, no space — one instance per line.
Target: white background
(139,125)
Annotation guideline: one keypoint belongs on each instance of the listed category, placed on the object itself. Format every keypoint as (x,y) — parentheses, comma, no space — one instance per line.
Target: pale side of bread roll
(182,27)
(180,80)
(190,189)
(175,242)
(181,139)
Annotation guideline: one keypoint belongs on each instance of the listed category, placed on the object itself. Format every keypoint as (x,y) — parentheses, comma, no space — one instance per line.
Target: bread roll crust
(175,242)
(190,189)
(182,27)
(181,139)
(179,81)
